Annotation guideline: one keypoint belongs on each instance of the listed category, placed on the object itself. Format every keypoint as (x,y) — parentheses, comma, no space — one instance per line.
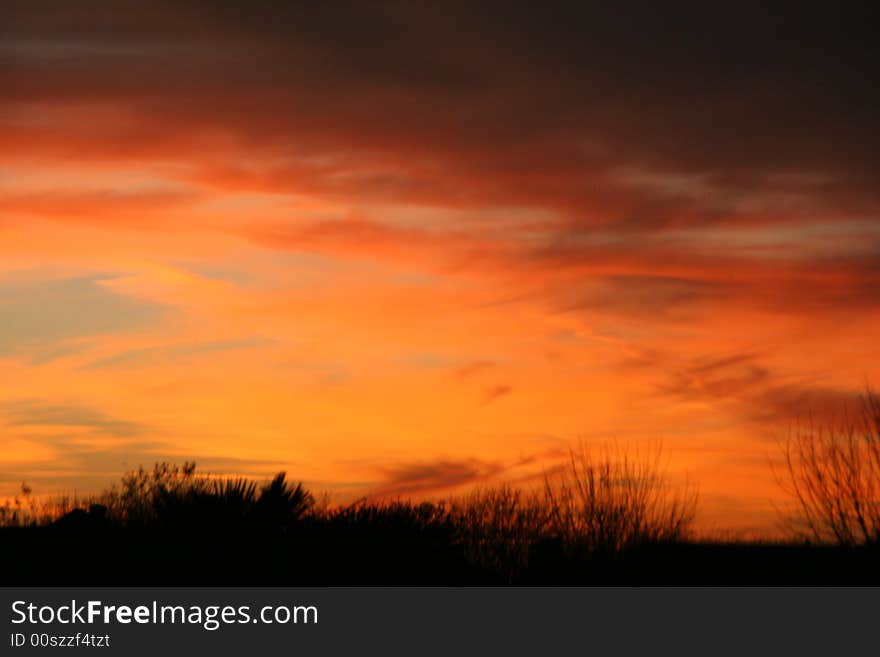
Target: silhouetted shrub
(184,528)
(176,499)
(610,502)
(498,526)
(21,511)
(280,504)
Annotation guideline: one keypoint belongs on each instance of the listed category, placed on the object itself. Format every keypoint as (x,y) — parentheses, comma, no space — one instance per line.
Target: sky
(409,248)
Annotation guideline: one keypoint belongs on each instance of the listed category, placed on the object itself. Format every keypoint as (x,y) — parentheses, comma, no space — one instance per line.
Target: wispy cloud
(428,477)
(156,355)
(35,413)
(474,367)
(756,393)
(496,392)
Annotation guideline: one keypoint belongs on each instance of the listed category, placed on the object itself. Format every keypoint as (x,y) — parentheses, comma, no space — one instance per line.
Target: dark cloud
(474,367)
(803,403)
(661,297)
(496,392)
(435,476)
(748,112)
(758,393)
(129,208)
(670,277)
(722,377)
(631,130)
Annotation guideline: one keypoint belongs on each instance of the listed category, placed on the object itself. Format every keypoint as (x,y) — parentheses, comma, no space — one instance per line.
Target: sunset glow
(413,252)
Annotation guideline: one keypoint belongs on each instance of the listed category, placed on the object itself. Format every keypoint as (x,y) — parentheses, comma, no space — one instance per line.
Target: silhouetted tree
(833,474)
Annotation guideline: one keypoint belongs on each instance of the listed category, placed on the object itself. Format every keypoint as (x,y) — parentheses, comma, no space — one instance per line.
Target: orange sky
(415,264)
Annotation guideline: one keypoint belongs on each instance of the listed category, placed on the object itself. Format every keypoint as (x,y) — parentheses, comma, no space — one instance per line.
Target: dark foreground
(171,527)
(322,554)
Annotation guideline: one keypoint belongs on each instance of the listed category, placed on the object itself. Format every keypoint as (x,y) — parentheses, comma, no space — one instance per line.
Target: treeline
(593,508)
(611,518)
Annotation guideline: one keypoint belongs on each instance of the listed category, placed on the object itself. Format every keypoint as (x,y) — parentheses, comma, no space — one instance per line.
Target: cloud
(34,413)
(83,465)
(90,460)
(802,403)
(474,367)
(637,118)
(37,313)
(673,277)
(363,237)
(724,377)
(51,353)
(633,153)
(441,475)
(121,207)
(664,297)
(156,355)
(420,478)
(759,394)
(496,392)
